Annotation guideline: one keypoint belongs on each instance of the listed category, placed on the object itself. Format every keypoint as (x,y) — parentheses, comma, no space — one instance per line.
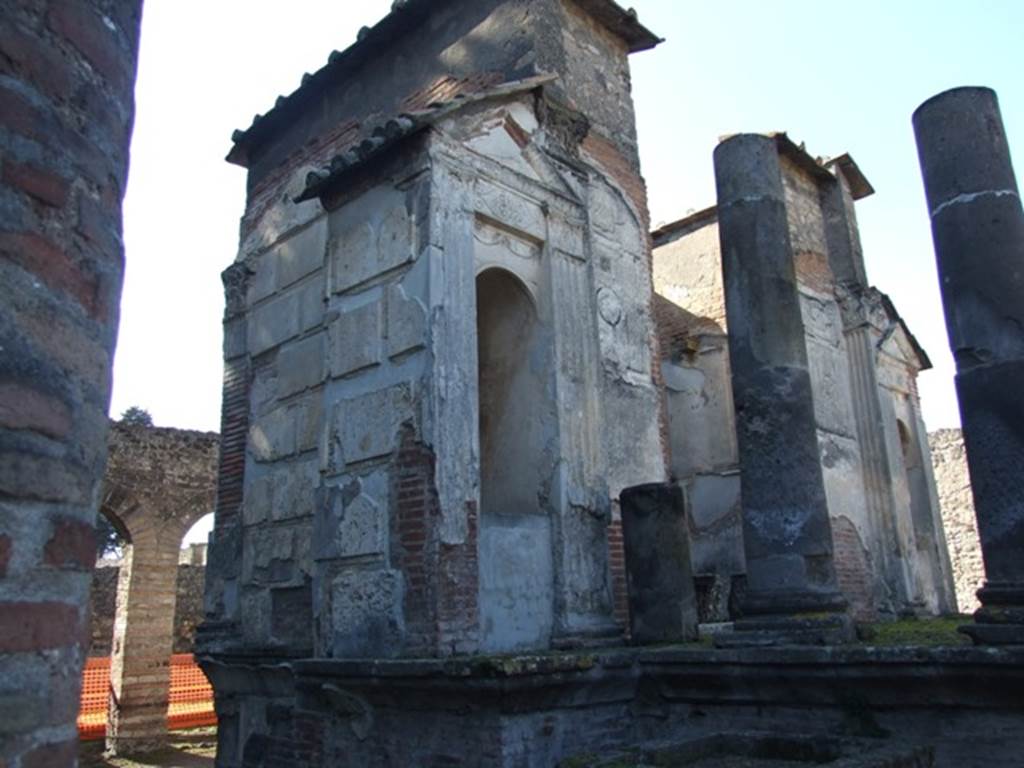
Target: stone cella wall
(863,365)
(953,483)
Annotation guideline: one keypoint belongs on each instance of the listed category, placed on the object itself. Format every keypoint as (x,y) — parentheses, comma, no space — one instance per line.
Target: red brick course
(39,255)
(72,545)
(5,555)
(442,581)
(45,186)
(65,114)
(30,627)
(23,407)
(617,563)
(852,569)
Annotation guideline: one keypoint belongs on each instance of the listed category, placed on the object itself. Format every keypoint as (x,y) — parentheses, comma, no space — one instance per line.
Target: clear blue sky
(842,77)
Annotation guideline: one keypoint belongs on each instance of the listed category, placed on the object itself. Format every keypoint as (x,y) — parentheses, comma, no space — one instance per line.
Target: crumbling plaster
(889,557)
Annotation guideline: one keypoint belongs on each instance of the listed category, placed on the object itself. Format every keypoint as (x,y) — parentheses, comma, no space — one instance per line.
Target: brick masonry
(66,75)
(188,608)
(159,482)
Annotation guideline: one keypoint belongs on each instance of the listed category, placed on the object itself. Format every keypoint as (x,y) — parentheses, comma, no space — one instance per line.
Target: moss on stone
(941,631)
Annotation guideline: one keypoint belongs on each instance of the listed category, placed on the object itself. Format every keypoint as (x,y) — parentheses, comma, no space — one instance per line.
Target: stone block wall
(954,488)
(690,314)
(66,75)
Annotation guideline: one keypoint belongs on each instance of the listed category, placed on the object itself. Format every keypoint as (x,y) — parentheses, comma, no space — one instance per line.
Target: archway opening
(516,428)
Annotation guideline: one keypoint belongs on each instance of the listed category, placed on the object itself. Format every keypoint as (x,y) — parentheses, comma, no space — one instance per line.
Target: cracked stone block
(300,365)
(355,339)
(407,321)
(367,427)
(366,614)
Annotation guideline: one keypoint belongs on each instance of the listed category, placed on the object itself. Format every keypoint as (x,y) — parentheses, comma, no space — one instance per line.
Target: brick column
(143,643)
(978,229)
(66,76)
(792,594)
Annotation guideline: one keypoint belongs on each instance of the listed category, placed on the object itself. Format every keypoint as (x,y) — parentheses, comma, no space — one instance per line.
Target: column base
(1000,620)
(790,618)
(797,629)
(604,635)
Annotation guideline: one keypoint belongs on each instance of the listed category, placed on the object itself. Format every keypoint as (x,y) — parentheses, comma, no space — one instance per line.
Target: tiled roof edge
(389,132)
(404,14)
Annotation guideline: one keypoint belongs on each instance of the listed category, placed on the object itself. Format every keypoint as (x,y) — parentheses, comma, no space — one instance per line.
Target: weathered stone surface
(288,261)
(366,614)
(285,315)
(371,238)
(516,583)
(356,338)
(872,706)
(287,430)
(715,517)
(353,252)
(978,229)
(353,518)
(407,321)
(66,106)
(366,427)
(787,538)
(282,492)
(953,483)
(300,365)
(662,601)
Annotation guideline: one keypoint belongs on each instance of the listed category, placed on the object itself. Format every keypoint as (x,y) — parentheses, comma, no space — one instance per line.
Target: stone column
(66,101)
(978,230)
(792,594)
(143,643)
(662,600)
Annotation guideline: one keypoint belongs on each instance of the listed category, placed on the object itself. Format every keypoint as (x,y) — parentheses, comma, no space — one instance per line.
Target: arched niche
(517,433)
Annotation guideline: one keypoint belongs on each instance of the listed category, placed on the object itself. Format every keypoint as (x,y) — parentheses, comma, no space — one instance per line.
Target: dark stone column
(662,602)
(978,229)
(792,594)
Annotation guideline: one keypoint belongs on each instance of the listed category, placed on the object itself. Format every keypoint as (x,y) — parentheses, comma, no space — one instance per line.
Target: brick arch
(159,482)
(115,516)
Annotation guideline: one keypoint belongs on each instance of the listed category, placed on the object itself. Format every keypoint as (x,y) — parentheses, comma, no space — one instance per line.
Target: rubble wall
(954,487)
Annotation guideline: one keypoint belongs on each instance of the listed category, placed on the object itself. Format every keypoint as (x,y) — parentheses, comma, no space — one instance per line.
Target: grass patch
(941,631)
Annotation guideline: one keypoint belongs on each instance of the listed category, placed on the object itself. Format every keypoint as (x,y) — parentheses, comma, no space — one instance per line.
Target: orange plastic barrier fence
(190,702)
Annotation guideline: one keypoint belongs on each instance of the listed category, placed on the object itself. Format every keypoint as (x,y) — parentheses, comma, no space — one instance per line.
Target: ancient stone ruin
(446,340)
(953,484)
(158,483)
(67,72)
(490,450)
(887,538)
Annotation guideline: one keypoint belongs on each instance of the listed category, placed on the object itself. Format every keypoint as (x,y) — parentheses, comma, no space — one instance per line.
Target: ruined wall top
(161,472)
(429,50)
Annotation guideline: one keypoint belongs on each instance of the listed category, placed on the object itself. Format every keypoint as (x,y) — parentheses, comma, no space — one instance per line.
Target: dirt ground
(188,749)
